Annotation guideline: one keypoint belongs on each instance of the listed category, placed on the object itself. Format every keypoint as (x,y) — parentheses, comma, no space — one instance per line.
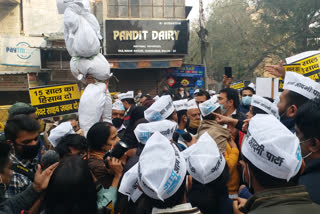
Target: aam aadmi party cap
(129,184)
(272,148)
(117,105)
(192,104)
(301,85)
(161,168)
(209,106)
(265,105)
(159,110)
(180,105)
(128,95)
(205,163)
(145,130)
(61,130)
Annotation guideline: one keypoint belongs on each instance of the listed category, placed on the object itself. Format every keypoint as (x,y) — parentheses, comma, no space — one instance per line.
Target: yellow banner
(54,94)
(310,64)
(290,67)
(237,85)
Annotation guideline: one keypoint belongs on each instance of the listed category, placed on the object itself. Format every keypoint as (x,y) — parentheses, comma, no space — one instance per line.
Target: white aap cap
(272,148)
(265,105)
(161,168)
(156,98)
(118,106)
(159,110)
(129,184)
(61,130)
(145,130)
(128,95)
(192,104)
(211,92)
(251,85)
(301,85)
(197,91)
(209,106)
(180,105)
(205,163)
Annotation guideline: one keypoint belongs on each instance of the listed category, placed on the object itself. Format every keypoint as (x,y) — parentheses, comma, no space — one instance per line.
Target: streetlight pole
(203,34)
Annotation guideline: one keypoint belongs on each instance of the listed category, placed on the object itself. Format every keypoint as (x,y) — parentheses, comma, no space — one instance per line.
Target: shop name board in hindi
(55,100)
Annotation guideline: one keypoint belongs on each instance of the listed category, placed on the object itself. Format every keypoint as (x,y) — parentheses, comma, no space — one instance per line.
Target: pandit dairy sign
(55,100)
(147,37)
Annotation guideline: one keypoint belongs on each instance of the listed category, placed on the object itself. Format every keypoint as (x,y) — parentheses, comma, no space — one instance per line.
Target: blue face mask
(223,110)
(246,100)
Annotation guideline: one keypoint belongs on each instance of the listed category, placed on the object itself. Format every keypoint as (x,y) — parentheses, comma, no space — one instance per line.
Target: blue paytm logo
(22,49)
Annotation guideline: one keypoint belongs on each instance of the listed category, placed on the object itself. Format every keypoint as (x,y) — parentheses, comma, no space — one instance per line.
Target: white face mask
(310,153)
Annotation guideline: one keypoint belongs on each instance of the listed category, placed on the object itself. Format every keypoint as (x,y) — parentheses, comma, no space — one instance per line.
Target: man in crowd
(22,132)
(202,96)
(129,104)
(293,96)
(181,94)
(181,107)
(246,96)
(72,144)
(272,163)
(307,130)
(193,113)
(229,103)
(118,112)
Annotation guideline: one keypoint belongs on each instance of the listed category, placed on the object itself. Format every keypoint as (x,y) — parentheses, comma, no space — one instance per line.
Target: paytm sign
(21,51)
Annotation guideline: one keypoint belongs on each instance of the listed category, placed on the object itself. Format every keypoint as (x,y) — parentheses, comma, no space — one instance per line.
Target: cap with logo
(272,148)
(265,105)
(117,105)
(180,105)
(160,110)
(145,130)
(128,95)
(192,104)
(301,85)
(209,106)
(205,163)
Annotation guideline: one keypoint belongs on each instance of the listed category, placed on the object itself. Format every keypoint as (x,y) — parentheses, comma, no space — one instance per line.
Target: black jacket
(22,201)
(311,179)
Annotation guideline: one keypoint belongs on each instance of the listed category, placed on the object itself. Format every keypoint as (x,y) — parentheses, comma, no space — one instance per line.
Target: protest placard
(238,85)
(55,100)
(290,67)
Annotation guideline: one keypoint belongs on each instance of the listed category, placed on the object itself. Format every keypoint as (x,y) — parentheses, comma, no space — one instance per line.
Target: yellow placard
(53,94)
(237,85)
(290,67)
(310,64)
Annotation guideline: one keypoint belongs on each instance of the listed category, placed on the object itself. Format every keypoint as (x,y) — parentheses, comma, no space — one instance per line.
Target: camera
(117,152)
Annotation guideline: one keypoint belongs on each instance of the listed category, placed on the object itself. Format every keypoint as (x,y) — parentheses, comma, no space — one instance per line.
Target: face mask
(310,153)
(283,115)
(117,122)
(223,110)
(246,100)
(28,152)
(194,124)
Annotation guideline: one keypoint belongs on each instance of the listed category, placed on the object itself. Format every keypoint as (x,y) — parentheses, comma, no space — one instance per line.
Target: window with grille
(146,9)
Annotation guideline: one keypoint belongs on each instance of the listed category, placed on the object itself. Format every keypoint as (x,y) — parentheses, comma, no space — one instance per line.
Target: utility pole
(203,35)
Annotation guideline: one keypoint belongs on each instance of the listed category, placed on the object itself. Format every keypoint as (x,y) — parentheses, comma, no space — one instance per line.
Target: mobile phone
(228,71)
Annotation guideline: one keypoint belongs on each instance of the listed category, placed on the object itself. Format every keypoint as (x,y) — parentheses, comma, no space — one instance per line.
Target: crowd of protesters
(224,153)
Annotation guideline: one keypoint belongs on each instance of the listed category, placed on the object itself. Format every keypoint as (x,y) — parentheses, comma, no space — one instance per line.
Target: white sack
(91,105)
(81,32)
(63,4)
(107,110)
(96,66)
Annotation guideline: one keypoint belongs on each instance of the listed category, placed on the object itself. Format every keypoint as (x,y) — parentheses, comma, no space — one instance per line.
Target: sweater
(232,157)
